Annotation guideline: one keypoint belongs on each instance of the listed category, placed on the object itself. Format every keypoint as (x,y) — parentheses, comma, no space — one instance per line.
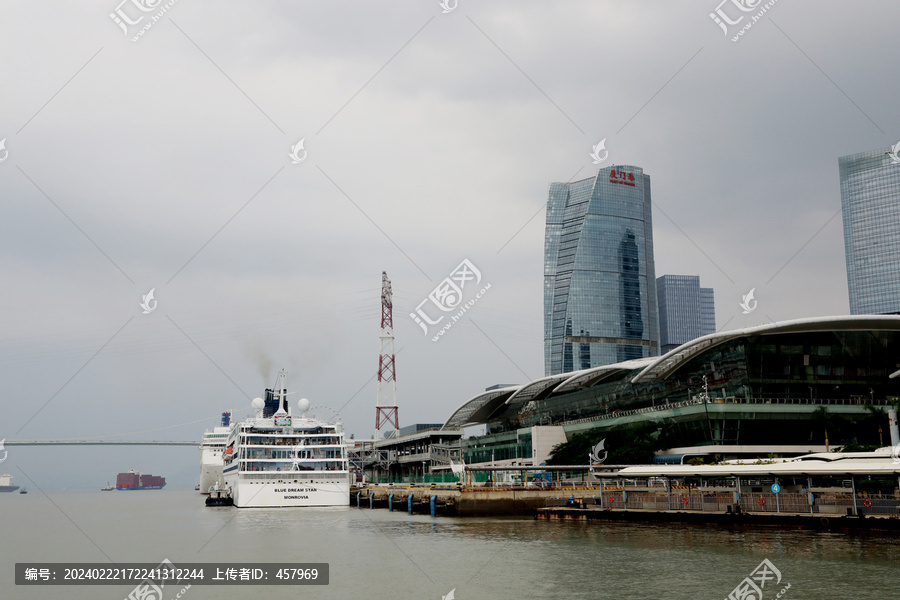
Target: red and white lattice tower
(386,403)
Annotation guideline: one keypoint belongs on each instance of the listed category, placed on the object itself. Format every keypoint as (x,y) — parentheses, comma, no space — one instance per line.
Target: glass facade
(870,200)
(599,279)
(686,311)
(707,311)
(774,382)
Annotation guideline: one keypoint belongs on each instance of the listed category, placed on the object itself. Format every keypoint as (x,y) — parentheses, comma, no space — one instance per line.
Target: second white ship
(275,458)
(211,449)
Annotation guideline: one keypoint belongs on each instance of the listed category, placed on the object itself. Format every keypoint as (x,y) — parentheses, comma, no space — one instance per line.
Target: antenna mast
(386,403)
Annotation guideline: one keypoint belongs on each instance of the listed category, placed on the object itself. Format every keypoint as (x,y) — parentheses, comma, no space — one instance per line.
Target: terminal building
(421,452)
(786,388)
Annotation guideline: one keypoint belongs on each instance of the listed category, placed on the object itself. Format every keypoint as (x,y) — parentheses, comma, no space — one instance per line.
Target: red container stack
(137,481)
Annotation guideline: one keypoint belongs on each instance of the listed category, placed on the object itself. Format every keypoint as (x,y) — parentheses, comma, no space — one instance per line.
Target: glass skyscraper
(686,310)
(599,279)
(870,200)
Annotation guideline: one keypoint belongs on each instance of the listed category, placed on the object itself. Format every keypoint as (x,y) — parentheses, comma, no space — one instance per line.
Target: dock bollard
(391,502)
(432,505)
(409,500)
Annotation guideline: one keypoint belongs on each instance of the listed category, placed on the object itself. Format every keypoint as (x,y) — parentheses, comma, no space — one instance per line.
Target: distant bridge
(99,443)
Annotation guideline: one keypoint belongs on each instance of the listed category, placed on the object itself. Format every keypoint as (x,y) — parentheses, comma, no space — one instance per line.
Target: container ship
(137,481)
(6,484)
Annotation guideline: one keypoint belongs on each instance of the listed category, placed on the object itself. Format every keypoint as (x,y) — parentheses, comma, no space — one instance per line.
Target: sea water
(376,554)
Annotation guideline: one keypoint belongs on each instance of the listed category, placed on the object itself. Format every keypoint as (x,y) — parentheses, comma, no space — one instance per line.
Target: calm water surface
(375,554)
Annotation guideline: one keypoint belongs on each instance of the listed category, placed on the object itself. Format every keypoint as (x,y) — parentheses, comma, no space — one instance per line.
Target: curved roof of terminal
(590,377)
(479,409)
(665,365)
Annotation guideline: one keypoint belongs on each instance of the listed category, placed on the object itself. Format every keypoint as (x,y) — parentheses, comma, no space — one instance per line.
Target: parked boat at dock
(275,458)
(211,449)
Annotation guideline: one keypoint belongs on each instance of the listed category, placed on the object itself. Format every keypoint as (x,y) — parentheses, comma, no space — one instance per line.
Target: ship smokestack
(282,395)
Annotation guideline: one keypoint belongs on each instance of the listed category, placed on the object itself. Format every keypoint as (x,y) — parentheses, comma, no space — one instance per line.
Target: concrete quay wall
(480,501)
(828,522)
(464,502)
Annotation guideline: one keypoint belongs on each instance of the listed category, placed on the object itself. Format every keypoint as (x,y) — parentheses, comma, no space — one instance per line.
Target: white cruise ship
(278,459)
(211,449)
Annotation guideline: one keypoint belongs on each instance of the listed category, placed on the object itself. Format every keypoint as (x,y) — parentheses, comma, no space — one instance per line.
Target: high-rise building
(599,278)
(686,310)
(707,311)
(870,200)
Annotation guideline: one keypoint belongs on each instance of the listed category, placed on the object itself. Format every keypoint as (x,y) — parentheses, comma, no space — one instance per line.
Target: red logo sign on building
(620,176)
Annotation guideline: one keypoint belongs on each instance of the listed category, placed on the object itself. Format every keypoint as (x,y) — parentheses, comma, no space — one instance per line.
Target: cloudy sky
(429,137)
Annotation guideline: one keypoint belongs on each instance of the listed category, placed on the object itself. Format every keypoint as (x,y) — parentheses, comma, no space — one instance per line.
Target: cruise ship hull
(277,494)
(210,470)
(8,488)
(211,455)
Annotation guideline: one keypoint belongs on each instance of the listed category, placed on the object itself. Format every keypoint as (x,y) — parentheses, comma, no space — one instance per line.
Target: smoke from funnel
(265,366)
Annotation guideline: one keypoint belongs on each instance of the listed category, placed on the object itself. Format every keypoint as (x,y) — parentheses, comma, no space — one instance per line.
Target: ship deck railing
(335,444)
(294,475)
(289,470)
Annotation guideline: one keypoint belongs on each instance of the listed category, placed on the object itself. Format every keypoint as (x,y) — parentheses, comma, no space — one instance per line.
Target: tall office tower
(599,279)
(707,311)
(686,310)
(870,200)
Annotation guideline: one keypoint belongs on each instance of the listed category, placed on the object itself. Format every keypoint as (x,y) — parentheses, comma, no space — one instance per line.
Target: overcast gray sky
(431,137)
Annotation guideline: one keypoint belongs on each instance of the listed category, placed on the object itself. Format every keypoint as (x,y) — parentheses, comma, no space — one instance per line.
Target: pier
(830,511)
(457,502)
(825,491)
